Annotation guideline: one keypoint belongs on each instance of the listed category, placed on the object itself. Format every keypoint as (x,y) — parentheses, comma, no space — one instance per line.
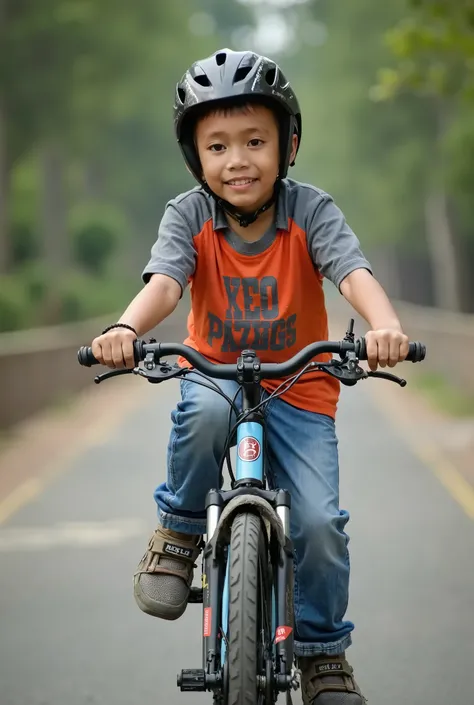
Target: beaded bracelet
(119,325)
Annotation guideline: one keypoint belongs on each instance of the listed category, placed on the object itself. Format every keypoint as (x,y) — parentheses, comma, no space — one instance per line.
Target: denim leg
(303,458)
(197,439)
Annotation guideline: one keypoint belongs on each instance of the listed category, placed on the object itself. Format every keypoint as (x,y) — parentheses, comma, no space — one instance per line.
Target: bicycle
(248,633)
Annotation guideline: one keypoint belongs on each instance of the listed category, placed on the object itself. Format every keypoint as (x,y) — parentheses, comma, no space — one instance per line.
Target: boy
(255,247)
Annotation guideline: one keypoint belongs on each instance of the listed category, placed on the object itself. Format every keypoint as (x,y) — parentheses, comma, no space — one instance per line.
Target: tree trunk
(442,251)
(4,170)
(440,234)
(384,261)
(4,195)
(55,236)
(93,181)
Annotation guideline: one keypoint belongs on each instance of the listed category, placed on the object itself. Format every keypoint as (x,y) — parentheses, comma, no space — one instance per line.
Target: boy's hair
(242,105)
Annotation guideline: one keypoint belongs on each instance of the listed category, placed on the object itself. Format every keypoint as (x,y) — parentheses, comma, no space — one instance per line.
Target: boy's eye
(216,147)
(255,142)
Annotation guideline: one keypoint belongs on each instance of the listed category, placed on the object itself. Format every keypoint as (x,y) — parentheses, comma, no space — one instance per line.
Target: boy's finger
(404,349)
(128,354)
(372,352)
(117,354)
(394,353)
(97,351)
(383,351)
(107,354)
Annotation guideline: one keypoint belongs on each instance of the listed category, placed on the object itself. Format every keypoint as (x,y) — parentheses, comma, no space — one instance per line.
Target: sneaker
(329,680)
(164,575)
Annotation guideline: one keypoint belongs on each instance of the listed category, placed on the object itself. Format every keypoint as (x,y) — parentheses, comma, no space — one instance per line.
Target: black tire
(249,609)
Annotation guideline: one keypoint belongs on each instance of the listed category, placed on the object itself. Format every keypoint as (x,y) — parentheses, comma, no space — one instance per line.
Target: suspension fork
(282,561)
(213,575)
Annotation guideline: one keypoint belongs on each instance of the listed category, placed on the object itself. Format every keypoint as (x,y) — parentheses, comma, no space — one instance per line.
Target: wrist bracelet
(119,325)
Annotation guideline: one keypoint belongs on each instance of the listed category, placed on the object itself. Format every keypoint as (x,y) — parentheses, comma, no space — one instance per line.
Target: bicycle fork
(213,674)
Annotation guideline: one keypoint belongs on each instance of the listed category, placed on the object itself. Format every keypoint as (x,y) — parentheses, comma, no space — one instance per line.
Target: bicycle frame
(249,479)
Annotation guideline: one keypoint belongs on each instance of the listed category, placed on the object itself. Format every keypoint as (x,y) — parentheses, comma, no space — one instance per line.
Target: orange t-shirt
(268,295)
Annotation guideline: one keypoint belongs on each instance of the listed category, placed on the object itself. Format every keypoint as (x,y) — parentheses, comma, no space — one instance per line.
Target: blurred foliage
(88,157)
(97,231)
(443,395)
(92,81)
(79,296)
(388,156)
(434,44)
(34,297)
(370,155)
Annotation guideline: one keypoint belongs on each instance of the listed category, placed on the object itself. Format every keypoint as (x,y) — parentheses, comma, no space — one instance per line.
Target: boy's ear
(294,147)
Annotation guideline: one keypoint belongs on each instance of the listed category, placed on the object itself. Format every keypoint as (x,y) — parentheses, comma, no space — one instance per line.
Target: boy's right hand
(115,348)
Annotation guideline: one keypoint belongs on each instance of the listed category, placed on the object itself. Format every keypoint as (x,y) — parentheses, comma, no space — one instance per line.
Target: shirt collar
(219,220)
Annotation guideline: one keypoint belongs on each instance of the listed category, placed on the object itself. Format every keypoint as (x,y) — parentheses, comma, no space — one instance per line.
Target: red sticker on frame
(207,621)
(282,633)
(249,449)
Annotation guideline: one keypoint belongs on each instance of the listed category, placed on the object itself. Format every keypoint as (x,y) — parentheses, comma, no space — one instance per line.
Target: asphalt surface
(71,634)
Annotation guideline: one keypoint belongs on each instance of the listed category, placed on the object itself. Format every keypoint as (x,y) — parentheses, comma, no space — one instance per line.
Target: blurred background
(88,160)
(88,157)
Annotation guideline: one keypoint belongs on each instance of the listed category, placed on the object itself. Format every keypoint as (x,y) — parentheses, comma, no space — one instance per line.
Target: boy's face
(239,153)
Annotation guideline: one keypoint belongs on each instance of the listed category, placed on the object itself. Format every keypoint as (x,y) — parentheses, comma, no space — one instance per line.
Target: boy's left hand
(386,346)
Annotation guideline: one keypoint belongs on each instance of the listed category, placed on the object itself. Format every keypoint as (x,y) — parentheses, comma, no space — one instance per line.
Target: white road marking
(82,534)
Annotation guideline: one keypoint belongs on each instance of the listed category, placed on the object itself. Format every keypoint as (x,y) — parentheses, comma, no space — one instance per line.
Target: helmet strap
(244,219)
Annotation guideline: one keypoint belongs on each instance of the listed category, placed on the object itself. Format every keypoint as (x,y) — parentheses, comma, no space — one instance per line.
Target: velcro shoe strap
(329,675)
(165,545)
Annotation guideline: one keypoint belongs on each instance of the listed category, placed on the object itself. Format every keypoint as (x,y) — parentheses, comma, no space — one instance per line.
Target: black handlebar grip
(85,357)
(416,351)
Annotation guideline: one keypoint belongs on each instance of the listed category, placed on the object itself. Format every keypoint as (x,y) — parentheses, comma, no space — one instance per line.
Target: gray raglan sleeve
(173,253)
(334,247)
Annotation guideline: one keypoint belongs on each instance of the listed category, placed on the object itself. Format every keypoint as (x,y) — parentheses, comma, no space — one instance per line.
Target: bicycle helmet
(225,78)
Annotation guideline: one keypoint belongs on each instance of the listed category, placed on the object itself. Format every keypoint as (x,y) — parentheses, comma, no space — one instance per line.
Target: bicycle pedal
(195,596)
(192,680)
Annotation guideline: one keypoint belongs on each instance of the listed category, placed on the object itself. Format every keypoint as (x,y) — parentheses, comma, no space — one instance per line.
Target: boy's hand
(386,346)
(115,348)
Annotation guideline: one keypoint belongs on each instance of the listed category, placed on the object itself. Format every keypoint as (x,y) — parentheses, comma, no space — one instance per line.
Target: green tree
(85,82)
(371,156)
(433,45)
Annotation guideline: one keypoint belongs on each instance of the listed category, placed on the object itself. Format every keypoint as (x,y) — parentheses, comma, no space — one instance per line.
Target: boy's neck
(254,231)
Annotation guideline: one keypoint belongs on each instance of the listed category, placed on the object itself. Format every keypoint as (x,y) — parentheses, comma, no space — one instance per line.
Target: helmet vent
(220,58)
(241,73)
(181,94)
(202,80)
(270,76)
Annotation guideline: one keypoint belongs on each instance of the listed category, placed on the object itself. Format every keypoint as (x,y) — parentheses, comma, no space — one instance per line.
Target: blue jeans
(302,457)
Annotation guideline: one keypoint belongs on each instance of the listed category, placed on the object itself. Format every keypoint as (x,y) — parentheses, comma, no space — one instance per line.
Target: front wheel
(249,632)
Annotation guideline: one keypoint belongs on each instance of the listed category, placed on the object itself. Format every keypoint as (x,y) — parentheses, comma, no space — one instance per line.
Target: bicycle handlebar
(268,370)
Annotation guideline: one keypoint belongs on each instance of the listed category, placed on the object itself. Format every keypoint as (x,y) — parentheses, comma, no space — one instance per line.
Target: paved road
(72,635)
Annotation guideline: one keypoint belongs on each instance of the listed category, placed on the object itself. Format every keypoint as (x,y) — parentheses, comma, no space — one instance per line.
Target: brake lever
(347,371)
(389,377)
(159,372)
(153,372)
(113,373)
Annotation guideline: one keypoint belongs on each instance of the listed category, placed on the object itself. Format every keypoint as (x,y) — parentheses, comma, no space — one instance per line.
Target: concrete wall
(449,337)
(38,367)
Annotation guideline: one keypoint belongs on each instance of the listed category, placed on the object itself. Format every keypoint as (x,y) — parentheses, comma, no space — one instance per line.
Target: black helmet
(228,77)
